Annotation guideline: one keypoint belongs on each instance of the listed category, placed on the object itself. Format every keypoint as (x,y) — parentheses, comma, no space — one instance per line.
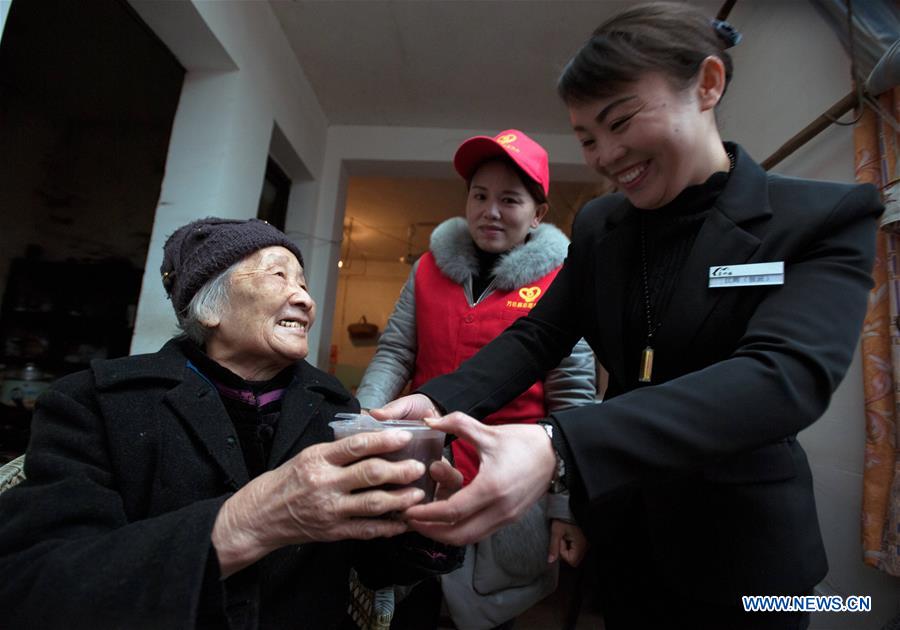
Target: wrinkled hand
(568,542)
(312,498)
(412,407)
(507,482)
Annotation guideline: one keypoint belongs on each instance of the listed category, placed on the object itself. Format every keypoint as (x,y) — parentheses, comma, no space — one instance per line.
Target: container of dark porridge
(426,446)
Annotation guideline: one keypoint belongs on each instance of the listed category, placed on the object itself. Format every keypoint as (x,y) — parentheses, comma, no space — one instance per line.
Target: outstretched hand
(327,492)
(506,484)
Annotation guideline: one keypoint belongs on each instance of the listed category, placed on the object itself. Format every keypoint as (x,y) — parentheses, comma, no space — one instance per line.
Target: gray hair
(208,303)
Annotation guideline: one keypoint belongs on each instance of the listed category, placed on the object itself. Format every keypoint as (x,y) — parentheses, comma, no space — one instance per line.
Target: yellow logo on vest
(529,295)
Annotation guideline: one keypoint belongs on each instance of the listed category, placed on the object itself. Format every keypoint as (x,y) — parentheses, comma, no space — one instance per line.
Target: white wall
(784,78)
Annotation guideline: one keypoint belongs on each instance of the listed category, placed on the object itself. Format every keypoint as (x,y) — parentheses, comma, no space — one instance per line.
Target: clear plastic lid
(360,423)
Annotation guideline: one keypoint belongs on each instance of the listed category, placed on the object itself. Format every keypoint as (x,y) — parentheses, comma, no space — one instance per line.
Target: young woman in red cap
(726,304)
(484,271)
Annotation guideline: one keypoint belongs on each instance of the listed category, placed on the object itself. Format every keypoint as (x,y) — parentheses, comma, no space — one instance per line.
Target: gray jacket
(570,384)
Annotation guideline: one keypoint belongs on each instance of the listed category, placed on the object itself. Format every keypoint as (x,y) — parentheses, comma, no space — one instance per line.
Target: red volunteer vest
(449,331)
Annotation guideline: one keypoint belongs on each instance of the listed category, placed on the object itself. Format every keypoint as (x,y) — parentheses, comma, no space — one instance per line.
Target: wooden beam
(812,129)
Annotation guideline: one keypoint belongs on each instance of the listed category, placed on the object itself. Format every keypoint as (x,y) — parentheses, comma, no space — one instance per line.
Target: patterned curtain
(876,144)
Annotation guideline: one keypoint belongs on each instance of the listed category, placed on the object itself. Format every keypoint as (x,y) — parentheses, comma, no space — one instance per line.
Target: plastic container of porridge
(426,446)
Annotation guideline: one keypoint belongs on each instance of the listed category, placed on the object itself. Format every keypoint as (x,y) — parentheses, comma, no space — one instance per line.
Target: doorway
(387,225)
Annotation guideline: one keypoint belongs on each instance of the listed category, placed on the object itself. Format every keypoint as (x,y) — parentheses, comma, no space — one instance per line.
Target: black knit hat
(197,252)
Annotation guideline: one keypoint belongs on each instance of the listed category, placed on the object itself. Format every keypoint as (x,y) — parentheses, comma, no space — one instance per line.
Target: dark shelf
(60,315)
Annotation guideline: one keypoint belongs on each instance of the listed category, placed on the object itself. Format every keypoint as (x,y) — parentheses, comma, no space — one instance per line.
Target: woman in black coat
(725,303)
(199,486)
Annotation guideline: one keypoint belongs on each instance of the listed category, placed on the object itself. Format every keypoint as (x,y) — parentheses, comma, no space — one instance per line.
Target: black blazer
(128,465)
(703,463)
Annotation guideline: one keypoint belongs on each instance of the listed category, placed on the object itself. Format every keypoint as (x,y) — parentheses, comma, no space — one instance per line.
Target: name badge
(758,274)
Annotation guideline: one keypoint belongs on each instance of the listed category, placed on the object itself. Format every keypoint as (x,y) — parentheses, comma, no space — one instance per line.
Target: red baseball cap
(512,143)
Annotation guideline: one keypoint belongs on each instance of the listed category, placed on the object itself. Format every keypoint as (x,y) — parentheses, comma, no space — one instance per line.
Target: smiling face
(263,328)
(499,209)
(652,140)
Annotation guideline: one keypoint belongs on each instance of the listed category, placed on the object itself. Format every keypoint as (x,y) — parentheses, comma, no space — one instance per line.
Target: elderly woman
(199,486)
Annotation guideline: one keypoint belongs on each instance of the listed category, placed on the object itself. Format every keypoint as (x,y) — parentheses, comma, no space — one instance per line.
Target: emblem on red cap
(506,141)
(525,153)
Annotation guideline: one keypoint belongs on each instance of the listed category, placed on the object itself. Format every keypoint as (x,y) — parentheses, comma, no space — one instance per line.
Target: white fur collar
(454,253)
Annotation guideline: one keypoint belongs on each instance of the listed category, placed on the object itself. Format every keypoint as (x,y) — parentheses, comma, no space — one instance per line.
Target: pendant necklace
(646,373)
(647,355)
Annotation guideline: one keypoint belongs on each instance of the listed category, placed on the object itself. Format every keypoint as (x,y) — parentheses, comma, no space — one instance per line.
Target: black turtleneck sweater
(254,423)
(669,233)
(485,273)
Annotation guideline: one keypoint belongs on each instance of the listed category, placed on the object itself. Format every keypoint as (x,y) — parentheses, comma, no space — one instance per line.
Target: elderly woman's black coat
(127,468)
